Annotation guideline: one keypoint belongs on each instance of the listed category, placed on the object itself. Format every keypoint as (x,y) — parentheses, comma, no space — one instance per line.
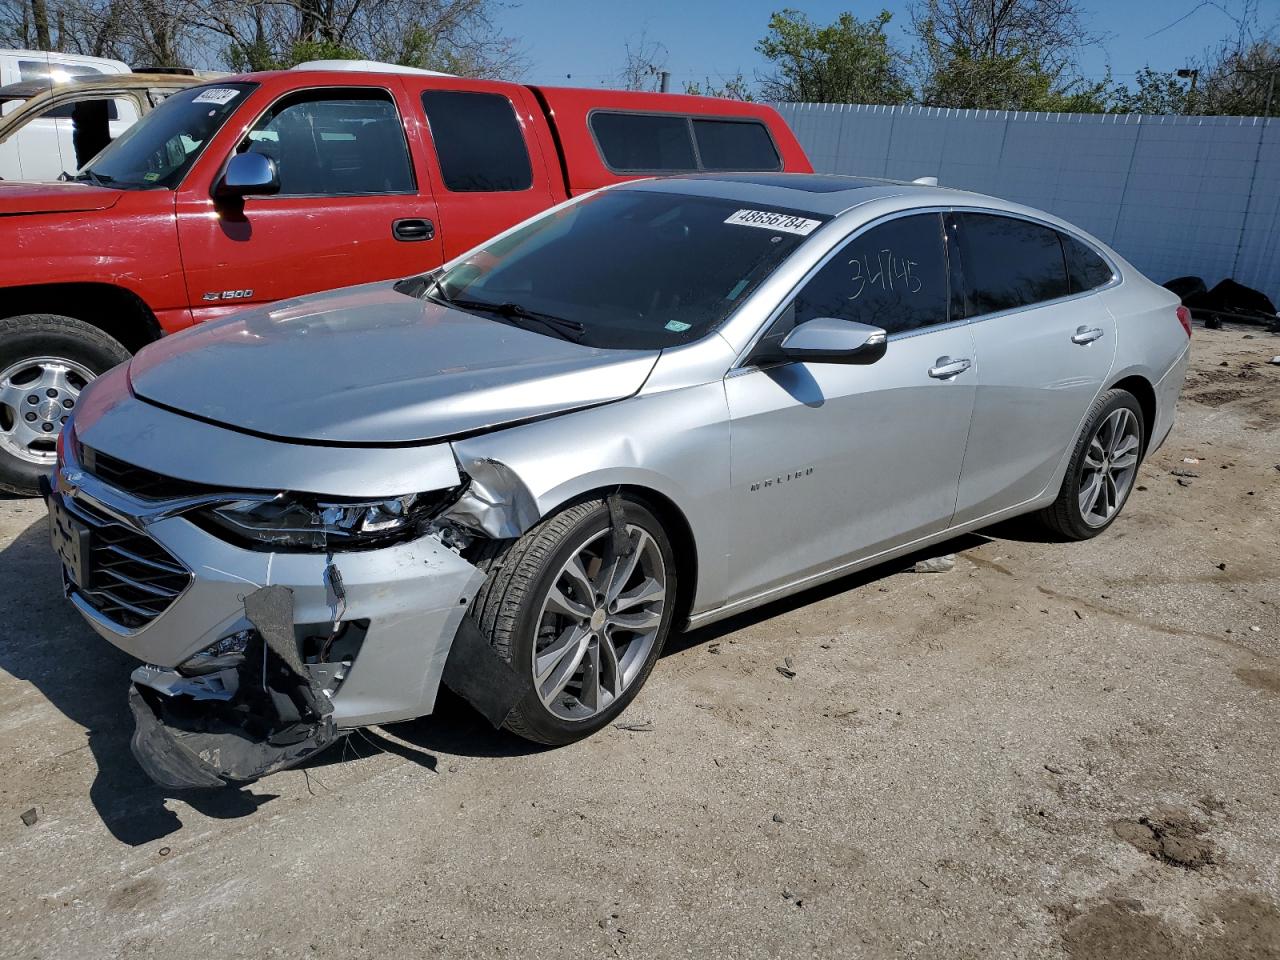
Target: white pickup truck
(45,145)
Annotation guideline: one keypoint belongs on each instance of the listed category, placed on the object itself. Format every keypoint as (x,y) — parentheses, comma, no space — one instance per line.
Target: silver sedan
(651,407)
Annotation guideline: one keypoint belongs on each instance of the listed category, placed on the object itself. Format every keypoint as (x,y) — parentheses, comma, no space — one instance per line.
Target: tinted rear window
(478,140)
(642,142)
(1010,263)
(735,145)
(1085,269)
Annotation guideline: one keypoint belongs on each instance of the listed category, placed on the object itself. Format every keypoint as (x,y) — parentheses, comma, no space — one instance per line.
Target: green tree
(734,88)
(1242,80)
(1155,93)
(848,61)
(1003,55)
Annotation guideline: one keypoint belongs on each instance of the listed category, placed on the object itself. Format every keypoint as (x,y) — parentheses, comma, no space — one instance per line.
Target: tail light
(1184,318)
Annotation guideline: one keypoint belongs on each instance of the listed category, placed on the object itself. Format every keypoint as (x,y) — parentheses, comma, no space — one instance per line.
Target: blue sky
(582,42)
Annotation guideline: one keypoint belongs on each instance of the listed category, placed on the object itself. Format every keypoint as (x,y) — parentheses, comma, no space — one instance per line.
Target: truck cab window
(478,140)
(335,144)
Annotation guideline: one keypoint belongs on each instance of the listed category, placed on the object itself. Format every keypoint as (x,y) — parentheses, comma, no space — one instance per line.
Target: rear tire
(581,628)
(1103,469)
(49,358)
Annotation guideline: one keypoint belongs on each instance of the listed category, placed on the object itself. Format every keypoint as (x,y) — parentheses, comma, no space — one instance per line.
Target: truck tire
(45,361)
(581,623)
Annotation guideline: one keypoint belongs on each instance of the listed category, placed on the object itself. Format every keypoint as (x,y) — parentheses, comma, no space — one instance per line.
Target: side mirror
(246,175)
(830,340)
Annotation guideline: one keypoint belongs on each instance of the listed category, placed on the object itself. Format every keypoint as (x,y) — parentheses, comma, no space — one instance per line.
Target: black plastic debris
(1227,301)
(278,717)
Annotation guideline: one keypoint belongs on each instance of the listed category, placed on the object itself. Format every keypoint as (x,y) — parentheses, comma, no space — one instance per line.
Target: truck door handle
(945,368)
(1085,335)
(412,230)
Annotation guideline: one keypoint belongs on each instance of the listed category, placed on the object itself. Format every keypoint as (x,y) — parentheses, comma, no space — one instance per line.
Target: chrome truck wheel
(37,396)
(45,362)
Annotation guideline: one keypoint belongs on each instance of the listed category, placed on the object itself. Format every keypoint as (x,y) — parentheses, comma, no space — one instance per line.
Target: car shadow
(854,581)
(45,643)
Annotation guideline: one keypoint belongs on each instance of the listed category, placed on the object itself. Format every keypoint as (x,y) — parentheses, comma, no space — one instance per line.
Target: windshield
(158,150)
(633,269)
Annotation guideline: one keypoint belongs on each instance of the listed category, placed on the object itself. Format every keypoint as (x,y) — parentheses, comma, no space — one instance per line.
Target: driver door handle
(1085,335)
(945,368)
(413,229)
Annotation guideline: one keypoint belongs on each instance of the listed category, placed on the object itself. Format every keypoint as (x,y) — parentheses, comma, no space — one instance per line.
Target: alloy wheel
(37,395)
(1109,466)
(598,623)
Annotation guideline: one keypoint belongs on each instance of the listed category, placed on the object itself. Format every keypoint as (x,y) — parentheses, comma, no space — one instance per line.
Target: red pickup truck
(255,188)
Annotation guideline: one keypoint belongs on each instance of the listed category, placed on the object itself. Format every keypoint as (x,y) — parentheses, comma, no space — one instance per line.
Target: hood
(17,197)
(368,365)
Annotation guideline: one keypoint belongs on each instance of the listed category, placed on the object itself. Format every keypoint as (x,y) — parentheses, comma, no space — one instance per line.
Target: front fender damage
(265,715)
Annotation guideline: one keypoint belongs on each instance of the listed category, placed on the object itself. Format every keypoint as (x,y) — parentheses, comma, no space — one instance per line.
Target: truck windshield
(159,150)
(636,269)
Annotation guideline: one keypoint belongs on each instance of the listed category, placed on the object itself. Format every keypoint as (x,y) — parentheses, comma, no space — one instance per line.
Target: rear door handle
(412,230)
(1085,335)
(945,368)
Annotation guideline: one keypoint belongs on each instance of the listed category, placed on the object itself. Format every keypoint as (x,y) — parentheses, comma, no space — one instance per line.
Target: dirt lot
(1054,750)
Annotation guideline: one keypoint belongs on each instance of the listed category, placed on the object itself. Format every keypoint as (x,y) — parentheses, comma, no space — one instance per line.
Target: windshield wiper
(562,327)
(97,179)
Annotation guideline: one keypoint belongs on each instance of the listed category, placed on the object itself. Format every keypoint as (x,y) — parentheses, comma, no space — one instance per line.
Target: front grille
(138,480)
(131,579)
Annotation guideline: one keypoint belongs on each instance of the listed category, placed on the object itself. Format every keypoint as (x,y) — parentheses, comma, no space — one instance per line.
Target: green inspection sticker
(150,177)
(675,326)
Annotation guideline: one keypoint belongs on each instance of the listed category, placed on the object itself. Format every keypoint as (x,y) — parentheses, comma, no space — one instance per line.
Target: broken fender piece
(475,672)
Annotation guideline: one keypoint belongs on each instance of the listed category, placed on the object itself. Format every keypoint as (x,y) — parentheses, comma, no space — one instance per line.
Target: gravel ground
(1052,750)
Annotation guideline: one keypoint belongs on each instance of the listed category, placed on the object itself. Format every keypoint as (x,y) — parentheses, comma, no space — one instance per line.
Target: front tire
(1103,468)
(581,613)
(45,361)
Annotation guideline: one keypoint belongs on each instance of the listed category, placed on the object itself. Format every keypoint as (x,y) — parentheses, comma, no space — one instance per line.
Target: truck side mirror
(248,174)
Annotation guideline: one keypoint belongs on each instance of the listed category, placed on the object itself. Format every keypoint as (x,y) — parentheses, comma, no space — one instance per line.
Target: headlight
(294,522)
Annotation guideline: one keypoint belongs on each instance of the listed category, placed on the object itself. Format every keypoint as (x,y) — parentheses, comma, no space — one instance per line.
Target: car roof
(829,195)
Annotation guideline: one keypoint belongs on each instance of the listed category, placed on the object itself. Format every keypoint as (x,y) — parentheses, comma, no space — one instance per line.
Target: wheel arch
(115,310)
(1144,392)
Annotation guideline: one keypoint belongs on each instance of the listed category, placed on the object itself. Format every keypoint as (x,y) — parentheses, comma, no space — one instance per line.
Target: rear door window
(893,276)
(478,141)
(335,143)
(1085,269)
(735,145)
(1010,263)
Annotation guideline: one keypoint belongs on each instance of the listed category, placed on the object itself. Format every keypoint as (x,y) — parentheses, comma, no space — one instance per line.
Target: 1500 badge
(213,296)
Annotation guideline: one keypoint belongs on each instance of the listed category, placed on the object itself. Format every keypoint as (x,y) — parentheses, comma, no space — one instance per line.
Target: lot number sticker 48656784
(770,220)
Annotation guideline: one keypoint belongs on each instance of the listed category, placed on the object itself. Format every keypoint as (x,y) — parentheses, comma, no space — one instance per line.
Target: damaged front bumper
(319,644)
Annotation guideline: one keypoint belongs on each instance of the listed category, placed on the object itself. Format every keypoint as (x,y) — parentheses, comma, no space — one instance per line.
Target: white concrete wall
(1174,195)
